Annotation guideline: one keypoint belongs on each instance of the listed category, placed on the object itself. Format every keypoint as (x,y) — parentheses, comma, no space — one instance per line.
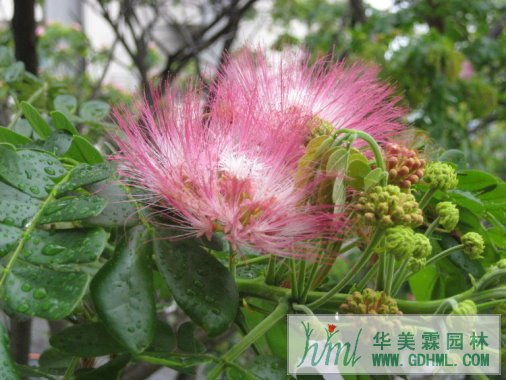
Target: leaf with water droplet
(84,174)
(86,340)
(177,262)
(262,367)
(24,169)
(72,208)
(186,340)
(7,366)
(129,310)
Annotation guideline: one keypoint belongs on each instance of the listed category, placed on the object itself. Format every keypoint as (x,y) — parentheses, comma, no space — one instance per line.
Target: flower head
(441,176)
(319,98)
(448,215)
(473,245)
(210,178)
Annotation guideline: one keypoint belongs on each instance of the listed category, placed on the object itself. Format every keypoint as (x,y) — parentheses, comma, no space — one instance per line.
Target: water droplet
(52,249)
(216,311)
(34,189)
(190,292)
(40,293)
(49,171)
(26,287)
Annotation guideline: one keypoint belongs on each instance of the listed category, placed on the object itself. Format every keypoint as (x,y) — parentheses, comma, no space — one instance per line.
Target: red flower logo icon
(331,328)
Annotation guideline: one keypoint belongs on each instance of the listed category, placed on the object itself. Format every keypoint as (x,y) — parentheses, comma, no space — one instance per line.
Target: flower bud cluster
(448,215)
(422,249)
(473,245)
(440,176)
(404,166)
(399,241)
(466,307)
(369,302)
(389,206)
(318,127)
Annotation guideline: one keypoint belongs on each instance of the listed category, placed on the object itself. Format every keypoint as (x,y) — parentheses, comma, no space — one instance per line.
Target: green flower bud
(422,246)
(399,241)
(441,176)
(416,264)
(473,245)
(466,307)
(388,206)
(369,302)
(501,264)
(448,215)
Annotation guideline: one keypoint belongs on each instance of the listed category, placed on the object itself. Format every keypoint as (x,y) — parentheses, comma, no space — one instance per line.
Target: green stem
(29,229)
(30,100)
(400,277)
(366,256)
(293,279)
(426,198)
(488,305)
(365,280)
(489,278)
(254,260)
(302,277)
(444,305)
(432,227)
(380,277)
(231,263)
(71,368)
(257,332)
(309,284)
(271,270)
(390,270)
(303,308)
(445,253)
(375,148)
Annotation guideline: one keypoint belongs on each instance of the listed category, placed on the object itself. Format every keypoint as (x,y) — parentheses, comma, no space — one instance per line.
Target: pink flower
(211,177)
(466,70)
(273,89)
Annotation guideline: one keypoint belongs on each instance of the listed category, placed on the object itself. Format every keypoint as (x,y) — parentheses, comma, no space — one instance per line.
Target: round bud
(441,176)
(399,241)
(466,307)
(473,245)
(448,215)
(422,246)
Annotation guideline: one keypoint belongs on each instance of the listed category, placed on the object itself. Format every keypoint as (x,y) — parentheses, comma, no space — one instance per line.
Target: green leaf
(337,163)
(179,362)
(186,340)
(54,360)
(37,122)
(109,371)
(62,123)
(164,340)
(124,295)
(474,180)
(373,178)
(45,280)
(11,137)
(200,284)
(263,367)
(467,200)
(456,157)
(94,110)
(14,73)
(58,143)
(7,366)
(86,340)
(66,104)
(81,150)
(72,208)
(17,207)
(84,174)
(30,171)
(422,283)
(120,210)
